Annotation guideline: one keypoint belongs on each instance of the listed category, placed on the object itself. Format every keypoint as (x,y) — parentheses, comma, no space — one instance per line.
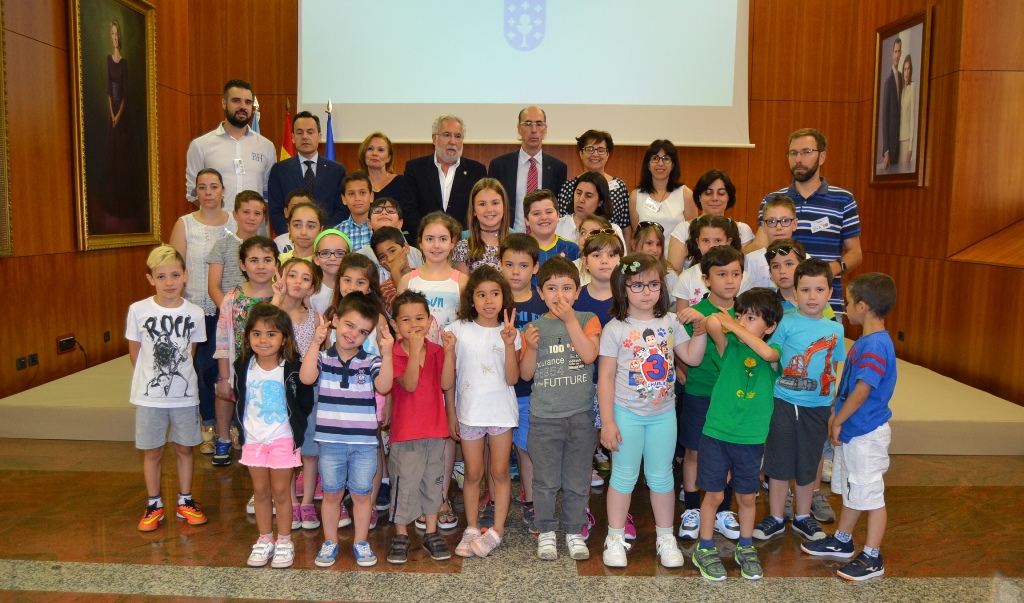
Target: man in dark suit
(308,170)
(442,180)
(891,93)
(527,169)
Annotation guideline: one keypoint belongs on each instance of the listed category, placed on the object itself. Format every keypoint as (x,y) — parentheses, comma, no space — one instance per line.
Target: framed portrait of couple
(113,84)
(902,50)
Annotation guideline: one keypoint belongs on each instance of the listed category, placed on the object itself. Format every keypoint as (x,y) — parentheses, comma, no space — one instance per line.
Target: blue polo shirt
(825,220)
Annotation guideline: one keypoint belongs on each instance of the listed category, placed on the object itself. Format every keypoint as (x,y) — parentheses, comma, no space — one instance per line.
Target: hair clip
(632,267)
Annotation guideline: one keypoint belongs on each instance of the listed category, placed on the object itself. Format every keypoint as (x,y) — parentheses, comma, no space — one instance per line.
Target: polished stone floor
(68,512)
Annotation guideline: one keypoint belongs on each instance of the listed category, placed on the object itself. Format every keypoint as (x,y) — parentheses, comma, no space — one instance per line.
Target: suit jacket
(891,118)
(286,176)
(505,168)
(421,191)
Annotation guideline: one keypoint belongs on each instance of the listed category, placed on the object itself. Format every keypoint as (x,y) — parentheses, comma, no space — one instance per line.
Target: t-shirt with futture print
(643,350)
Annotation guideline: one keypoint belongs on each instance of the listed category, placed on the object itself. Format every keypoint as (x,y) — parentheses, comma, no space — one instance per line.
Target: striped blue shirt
(825,220)
(347,408)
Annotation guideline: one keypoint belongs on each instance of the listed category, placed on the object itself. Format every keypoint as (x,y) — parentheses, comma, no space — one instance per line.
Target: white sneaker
(577,546)
(689,526)
(726,525)
(284,555)
(547,549)
(668,551)
(600,456)
(261,554)
(615,548)
(826,470)
(250,507)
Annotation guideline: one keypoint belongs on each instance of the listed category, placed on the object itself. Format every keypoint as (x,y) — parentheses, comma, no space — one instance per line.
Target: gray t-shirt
(645,373)
(225,251)
(563,385)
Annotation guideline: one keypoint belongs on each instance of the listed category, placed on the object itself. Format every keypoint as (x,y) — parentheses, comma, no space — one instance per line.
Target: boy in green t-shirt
(737,424)
(722,268)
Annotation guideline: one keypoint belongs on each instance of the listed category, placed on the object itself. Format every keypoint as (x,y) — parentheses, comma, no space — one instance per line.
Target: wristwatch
(842,266)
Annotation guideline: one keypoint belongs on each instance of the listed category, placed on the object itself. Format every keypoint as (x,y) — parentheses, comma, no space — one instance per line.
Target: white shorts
(858,469)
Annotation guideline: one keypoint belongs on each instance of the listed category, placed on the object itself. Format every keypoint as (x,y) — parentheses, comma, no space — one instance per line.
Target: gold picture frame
(900,109)
(6,244)
(114,114)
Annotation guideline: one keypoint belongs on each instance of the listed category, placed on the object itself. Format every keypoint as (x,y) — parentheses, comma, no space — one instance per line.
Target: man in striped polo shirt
(828,222)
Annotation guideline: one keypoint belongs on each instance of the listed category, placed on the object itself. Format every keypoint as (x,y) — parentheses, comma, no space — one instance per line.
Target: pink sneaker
(373,518)
(344,520)
(299,488)
(465,548)
(318,494)
(484,544)
(309,519)
(591,522)
(630,528)
(296,517)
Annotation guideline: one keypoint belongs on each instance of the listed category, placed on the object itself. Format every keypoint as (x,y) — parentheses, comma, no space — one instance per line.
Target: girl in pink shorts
(272,405)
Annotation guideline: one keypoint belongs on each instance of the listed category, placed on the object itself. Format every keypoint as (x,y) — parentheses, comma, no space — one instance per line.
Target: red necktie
(531,176)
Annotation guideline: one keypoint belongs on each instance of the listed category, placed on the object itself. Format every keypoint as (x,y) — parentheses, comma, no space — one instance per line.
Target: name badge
(820,225)
(652,205)
(239,167)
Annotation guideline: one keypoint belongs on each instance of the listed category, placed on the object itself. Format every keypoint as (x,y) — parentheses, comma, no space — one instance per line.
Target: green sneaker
(709,564)
(750,565)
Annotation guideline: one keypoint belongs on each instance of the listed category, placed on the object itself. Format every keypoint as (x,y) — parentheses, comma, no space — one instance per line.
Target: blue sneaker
(364,554)
(327,555)
(384,497)
(862,567)
(222,454)
(829,547)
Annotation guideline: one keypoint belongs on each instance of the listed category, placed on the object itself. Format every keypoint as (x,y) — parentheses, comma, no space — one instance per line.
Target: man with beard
(319,176)
(242,156)
(828,222)
(527,169)
(441,180)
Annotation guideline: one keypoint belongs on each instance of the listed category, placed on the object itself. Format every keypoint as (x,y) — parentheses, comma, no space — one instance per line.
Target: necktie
(309,177)
(531,176)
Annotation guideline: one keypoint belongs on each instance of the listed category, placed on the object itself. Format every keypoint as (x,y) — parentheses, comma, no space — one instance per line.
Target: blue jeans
(348,466)
(648,438)
(207,372)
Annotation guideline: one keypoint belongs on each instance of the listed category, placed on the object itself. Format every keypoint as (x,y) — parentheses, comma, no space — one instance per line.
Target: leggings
(650,438)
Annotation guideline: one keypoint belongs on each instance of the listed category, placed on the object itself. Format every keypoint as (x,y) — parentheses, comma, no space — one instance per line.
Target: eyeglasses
(643,225)
(449,135)
(654,286)
(802,153)
(384,209)
(773,222)
(598,150)
(608,231)
(530,123)
(661,159)
(327,254)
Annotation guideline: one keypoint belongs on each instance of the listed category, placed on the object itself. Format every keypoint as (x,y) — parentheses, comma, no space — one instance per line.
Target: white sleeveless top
(442,297)
(668,213)
(199,240)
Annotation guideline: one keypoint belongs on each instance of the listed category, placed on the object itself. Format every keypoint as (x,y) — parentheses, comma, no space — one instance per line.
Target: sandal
(446,519)
(398,552)
(421,522)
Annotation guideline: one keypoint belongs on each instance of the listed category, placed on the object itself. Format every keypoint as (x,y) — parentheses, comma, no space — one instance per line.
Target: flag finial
(287,104)
(329,107)
(255,103)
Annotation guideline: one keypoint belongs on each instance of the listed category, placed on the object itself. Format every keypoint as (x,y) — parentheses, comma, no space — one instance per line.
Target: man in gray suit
(529,168)
(890,122)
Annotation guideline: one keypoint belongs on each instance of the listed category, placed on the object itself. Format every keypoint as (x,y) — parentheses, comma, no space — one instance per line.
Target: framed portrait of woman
(902,50)
(113,83)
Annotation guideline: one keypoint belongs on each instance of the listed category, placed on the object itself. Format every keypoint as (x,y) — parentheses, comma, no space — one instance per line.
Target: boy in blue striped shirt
(346,416)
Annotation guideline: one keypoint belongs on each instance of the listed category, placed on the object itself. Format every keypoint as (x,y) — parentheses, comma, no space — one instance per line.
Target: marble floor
(68,514)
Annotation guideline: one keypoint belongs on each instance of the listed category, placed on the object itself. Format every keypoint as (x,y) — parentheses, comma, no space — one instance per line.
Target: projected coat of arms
(524,23)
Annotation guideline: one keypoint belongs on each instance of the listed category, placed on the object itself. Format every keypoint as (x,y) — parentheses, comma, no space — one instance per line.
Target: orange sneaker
(152,519)
(191,513)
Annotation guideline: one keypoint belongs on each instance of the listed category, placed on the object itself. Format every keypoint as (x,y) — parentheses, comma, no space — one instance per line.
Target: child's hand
(223,389)
(562,310)
(399,266)
(448,340)
(610,436)
(700,327)
(689,315)
(415,341)
(834,431)
(384,339)
(453,428)
(385,414)
(509,332)
(531,337)
(320,335)
(279,287)
(728,322)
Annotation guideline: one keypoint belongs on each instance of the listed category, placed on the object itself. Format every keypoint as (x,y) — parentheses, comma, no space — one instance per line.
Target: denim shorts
(522,433)
(347,466)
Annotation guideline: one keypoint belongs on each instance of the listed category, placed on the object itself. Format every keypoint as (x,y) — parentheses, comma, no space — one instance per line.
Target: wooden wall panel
(39,139)
(171,40)
(253,40)
(45,21)
(988,179)
(174,135)
(992,39)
